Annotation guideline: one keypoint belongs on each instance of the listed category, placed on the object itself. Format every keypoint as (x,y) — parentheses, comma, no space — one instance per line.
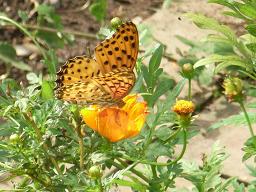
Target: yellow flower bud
(184,107)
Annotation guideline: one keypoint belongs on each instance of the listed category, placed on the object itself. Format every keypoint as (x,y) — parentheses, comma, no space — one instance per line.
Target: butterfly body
(106,79)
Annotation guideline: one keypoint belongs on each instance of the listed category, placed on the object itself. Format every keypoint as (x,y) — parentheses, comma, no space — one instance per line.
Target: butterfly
(106,78)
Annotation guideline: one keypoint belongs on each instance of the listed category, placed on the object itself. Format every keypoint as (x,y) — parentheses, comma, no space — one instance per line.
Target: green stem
(247,118)
(77,127)
(29,119)
(5,166)
(24,182)
(120,167)
(189,89)
(40,139)
(153,168)
(139,174)
(75,33)
(26,32)
(164,164)
(81,149)
(173,134)
(151,132)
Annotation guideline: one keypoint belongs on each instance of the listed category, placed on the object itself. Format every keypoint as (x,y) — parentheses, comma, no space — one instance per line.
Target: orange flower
(116,123)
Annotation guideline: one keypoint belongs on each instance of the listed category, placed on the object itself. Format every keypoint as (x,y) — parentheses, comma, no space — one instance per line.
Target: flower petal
(130,101)
(90,116)
(113,123)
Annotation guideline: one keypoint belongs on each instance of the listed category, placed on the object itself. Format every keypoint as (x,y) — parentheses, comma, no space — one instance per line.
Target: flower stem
(247,118)
(29,119)
(81,149)
(151,132)
(153,168)
(139,174)
(25,31)
(80,140)
(75,33)
(183,148)
(39,137)
(189,89)
(164,164)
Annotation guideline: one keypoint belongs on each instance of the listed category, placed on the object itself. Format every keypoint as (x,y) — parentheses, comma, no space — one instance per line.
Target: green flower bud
(95,172)
(115,22)
(14,138)
(233,88)
(188,70)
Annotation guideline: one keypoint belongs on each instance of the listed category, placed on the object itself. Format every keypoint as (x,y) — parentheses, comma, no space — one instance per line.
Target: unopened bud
(184,110)
(233,88)
(188,70)
(115,22)
(95,172)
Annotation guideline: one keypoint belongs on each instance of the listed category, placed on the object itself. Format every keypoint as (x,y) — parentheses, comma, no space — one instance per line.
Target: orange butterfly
(105,79)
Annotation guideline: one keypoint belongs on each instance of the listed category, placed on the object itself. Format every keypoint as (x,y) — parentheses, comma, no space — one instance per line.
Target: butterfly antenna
(88,51)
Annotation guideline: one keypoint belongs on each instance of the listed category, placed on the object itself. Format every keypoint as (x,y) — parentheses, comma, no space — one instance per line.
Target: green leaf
(212,59)
(238,187)
(233,14)
(166,4)
(163,132)
(6,129)
(48,17)
(247,10)
(233,120)
(186,41)
(209,23)
(135,186)
(23,15)
(226,64)
(32,78)
(162,88)
(99,9)
(51,38)
(251,28)
(249,148)
(8,55)
(7,50)
(47,90)
(156,150)
(51,62)
(170,99)
(147,77)
(156,58)
(222,2)
(252,47)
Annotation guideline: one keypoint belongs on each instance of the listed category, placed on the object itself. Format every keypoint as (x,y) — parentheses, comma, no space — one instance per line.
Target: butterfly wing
(102,90)
(105,80)
(120,50)
(77,69)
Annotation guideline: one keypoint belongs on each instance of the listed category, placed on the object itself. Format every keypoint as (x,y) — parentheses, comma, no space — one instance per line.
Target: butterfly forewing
(120,50)
(105,80)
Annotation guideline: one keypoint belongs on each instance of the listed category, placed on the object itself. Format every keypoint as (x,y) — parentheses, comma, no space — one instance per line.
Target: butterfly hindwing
(105,89)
